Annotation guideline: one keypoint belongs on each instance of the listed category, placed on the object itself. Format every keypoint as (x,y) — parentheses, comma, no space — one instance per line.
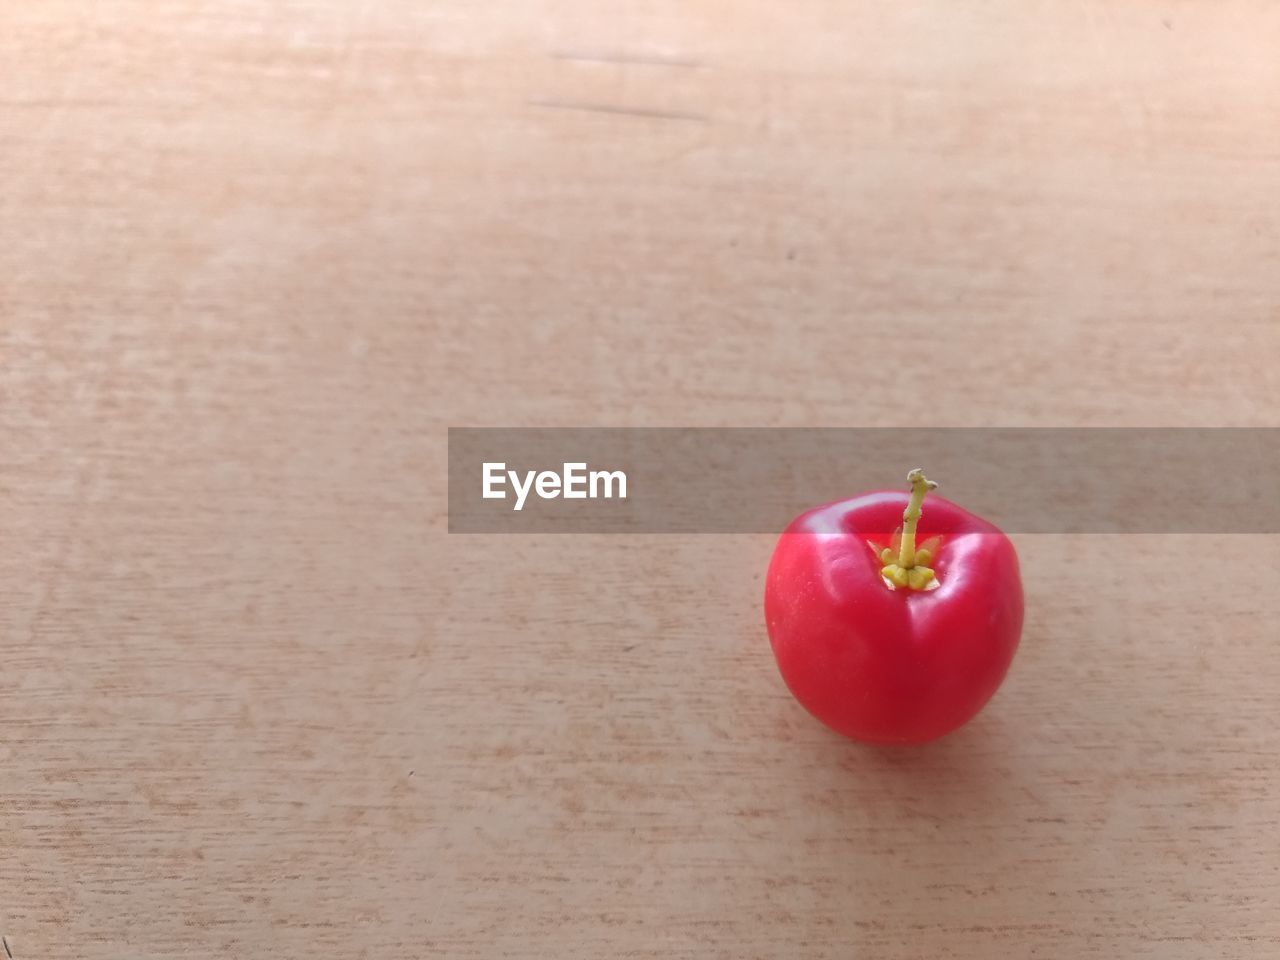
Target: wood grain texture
(256,257)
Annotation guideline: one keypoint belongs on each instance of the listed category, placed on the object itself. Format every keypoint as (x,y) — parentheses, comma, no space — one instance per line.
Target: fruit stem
(910,570)
(911,516)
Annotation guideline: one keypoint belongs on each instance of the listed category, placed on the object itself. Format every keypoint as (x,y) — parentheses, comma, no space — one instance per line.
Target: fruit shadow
(962,787)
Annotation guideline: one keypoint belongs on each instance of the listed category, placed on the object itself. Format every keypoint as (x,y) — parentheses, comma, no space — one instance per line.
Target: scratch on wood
(620,111)
(7,952)
(647,59)
(45,103)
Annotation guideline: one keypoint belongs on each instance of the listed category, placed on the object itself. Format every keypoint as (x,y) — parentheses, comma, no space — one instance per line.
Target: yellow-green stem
(911,570)
(911,516)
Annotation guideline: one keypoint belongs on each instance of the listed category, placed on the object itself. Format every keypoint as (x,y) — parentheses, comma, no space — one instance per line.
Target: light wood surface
(256,257)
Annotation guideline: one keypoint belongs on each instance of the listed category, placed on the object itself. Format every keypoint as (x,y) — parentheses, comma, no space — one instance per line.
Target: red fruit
(883,641)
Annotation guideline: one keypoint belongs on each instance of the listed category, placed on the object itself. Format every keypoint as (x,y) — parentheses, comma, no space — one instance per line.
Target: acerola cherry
(885,641)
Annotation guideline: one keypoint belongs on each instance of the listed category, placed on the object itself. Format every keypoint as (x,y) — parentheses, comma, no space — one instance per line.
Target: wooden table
(256,257)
